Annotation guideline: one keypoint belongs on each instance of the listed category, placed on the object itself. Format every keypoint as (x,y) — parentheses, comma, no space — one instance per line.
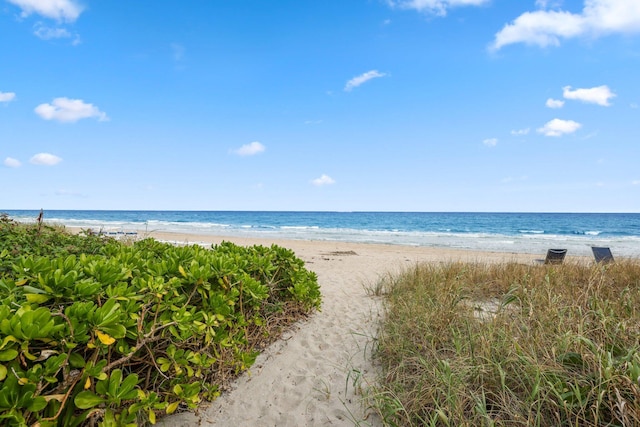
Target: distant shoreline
(419,253)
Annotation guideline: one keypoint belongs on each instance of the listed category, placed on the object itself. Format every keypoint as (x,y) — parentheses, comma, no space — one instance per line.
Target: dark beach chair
(554,256)
(602,254)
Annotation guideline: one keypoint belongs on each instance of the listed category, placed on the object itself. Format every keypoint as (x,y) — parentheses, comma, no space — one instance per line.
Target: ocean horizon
(516,232)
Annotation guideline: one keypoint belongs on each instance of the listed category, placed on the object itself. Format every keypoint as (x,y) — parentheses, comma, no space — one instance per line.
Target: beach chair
(602,254)
(554,256)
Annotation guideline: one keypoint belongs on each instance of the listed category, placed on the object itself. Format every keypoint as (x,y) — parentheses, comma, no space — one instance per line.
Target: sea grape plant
(102,332)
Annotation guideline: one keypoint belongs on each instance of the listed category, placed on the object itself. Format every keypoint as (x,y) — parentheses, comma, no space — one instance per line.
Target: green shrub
(92,330)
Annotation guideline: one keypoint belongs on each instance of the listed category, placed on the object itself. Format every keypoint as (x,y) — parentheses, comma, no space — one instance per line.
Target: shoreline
(306,246)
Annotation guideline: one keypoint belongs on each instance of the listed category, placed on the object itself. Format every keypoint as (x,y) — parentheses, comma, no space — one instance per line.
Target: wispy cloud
(547,27)
(362,78)
(434,7)
(559,127)
(520,132)
(490,142)
(636,182)
(69,111)
(596,95)
(10,162)
(323,180)
(60,10)
(7,96)
(250,149)
(554,103)
(45,159)
(47,33)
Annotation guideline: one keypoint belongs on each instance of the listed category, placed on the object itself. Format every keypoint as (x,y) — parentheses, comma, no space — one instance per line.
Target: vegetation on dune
(97,332)
(510,345)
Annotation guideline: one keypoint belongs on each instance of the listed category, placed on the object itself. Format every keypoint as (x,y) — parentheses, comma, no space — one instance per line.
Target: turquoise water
(504,232)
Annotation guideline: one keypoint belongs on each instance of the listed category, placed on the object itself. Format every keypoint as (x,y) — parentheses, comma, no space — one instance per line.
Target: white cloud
(362,78)
(596,95)
(436,7)
(490,142)
(10,162)
(554,103)
(250,149)
(559,127)
(61,10)
(7,96)
(323,180)
(45,159)
(636,182)
(69,110)
(548,27)
(633,105)
(520,132)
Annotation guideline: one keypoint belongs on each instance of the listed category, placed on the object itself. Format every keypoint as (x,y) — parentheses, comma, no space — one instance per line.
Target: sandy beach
(310,377)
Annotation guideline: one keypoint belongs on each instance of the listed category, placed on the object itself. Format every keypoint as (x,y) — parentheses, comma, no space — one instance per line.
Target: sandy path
(306,378)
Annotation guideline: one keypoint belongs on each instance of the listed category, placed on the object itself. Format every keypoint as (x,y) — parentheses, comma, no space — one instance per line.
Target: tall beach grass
(510,345)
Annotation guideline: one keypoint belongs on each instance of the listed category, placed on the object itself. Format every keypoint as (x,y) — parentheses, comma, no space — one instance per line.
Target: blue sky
(384,105)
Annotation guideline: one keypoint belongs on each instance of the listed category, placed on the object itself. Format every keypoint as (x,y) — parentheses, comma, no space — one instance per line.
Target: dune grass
(510,345)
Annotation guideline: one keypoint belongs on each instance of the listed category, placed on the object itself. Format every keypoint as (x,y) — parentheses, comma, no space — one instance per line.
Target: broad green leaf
(8,354)
(76,361)
(38,404)
(127,386)
(115,379)
(87,399)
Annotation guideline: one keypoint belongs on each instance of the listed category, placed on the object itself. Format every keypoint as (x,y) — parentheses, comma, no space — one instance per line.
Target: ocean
(501,232)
